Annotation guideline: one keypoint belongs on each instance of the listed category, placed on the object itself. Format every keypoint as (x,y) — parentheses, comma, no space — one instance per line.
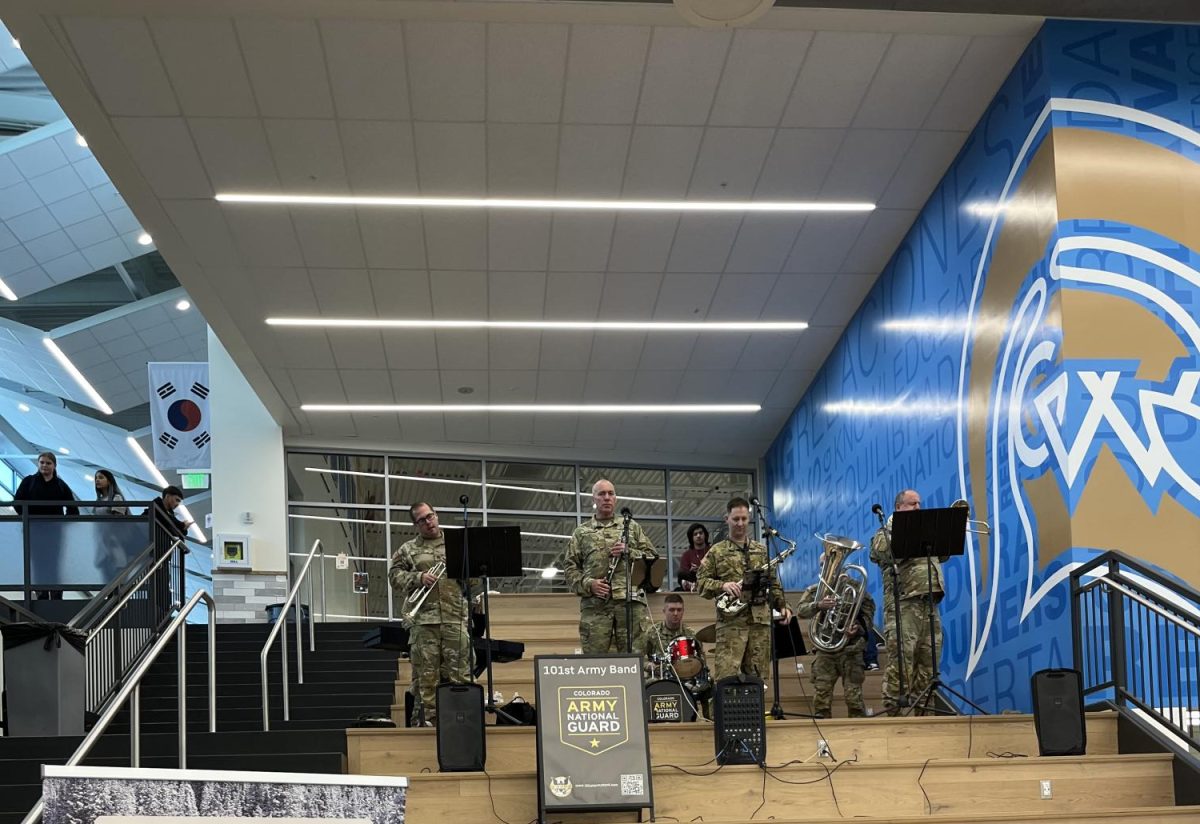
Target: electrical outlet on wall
(1046,791)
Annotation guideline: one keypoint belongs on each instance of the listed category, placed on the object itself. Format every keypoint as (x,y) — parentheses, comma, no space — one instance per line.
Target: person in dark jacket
(165,506)
(45,485)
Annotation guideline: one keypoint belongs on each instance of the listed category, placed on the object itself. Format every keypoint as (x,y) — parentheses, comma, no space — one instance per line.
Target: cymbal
(708,635)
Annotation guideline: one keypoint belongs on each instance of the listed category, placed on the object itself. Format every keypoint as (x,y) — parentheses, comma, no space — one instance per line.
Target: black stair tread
(29,771)
(250,743)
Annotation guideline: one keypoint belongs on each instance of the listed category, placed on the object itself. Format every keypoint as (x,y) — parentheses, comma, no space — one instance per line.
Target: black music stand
(486,551)
(929,533)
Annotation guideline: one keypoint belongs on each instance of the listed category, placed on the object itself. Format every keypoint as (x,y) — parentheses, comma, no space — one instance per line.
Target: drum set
(682,661)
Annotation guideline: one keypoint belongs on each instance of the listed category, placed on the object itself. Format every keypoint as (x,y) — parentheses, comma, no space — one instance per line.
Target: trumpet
(414,602)
(829,631)
(728,606)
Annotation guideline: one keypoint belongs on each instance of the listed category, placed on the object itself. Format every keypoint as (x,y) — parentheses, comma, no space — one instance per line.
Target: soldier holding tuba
(842,613)
(435,612)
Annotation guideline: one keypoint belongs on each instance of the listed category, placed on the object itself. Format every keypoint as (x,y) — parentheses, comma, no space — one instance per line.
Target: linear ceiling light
(553,203)
(540,408)
(162,482)
(549,325)
(6,293)
(66,364)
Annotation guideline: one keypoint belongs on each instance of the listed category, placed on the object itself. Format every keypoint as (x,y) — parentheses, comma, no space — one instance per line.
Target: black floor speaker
(739,720)
(461,744)
(1058,712)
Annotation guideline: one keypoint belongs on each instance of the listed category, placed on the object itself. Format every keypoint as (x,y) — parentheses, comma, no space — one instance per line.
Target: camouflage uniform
(743,641)
(602,620)
(920,662)
(846,663)
(439,641)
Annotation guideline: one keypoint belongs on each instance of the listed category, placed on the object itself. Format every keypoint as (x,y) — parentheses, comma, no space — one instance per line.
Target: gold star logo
(595,743)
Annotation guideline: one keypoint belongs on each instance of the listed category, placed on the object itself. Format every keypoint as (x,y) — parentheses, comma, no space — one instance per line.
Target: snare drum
(685,656)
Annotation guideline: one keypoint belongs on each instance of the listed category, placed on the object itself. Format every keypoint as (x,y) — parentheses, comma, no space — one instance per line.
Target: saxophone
(829,631)
(728,606)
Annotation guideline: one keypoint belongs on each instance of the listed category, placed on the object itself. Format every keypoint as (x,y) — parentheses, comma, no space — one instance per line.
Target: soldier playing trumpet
(439,641)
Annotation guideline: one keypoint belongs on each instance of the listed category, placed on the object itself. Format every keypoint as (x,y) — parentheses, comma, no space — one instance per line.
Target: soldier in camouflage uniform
(916,614)
(846,663)
(592,548)
(439,641)
(661,634)
(743,640)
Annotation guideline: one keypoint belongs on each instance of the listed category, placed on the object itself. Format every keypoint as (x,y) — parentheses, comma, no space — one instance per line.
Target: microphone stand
(465,500)
(768,534)
(628,589)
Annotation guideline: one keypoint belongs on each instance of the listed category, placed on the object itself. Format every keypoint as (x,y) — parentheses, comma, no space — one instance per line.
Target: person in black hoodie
(45,485)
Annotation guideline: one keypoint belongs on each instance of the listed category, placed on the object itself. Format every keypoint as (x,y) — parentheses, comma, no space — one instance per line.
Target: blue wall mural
(1032,346)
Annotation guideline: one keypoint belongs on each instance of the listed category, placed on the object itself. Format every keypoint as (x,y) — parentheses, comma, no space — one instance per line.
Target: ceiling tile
(57,185)
(653,387)
(30,225)
(882,234)
(763,243)
(47,247)
(642,242)
(451,158)
(513,349)
(9,175)
(401,294)
(16,200)
(843,298)
(411,348)
(456,239)
(741,296)
(284,293)
(565,350)
(758,77)
(417,386)
(837,70)
(613,350)
(703,242)
(446,70)
(796,297)
(265,237)
(475,379)
(202,226)
(764,351)
(511,429)
(67,267)
(380,156)
(729,163)
(661,160)
(89,232)
(165,155)
(367,71)
(682,71)
(604,73)
(129,79)
(423,429)
(668,351)
(810,354)
(459,294)
(609,385)
(824,242)
(354,350)
(28,281)
(591,161)
(71,211)
(629,296)
(235,154)
(580,241)
(105,253)
(392,239)
(866,162)
(343,293)
(37,158)
(987,62)
(516,295)
(525,65)
(462,350)
(308,352)
(560,387)
(910,79)
(328,237)
(573,295)
(318,385)
(927,160)
(204,62)
(308,155)
(521,160)
(286,64)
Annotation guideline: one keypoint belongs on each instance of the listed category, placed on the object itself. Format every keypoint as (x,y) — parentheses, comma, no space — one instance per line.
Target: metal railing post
(1116,635)
(276,628)
(135,724)
(181,660)
(300,641)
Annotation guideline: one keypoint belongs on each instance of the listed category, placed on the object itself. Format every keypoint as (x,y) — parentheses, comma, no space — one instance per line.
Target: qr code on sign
(631,784)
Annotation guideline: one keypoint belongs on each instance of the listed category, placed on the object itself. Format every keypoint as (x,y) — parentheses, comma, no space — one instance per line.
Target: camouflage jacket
(806,607)
(914,574)
(446,604)
(588,558)
(659,636)
(727,562)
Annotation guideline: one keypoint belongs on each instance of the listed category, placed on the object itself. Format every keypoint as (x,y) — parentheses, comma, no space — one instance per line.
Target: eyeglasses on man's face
(427,518)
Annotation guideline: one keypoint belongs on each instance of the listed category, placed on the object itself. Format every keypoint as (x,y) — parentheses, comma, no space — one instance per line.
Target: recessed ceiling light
(64,451)
(547,325)
(80,140)
(183,305)
(542,408)
(6,293)
(144,239)
(66,364)
(24,407)
(551,203)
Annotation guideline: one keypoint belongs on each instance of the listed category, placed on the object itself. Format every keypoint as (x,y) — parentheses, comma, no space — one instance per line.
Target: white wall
(248,468)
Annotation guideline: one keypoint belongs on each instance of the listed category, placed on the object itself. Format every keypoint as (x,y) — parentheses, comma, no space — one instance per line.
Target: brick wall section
(242,597)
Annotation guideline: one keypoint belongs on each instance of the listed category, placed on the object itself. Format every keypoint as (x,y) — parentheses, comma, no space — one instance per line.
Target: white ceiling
(521,99)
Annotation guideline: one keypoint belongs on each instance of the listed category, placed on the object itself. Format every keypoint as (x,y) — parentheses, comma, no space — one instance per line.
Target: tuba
(414,602)
(829,631)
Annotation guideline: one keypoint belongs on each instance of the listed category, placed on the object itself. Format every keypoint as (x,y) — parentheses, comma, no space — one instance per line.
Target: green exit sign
(193,480)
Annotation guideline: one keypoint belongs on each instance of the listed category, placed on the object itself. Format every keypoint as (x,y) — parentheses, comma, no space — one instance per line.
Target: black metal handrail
(15,609)
(1138,645)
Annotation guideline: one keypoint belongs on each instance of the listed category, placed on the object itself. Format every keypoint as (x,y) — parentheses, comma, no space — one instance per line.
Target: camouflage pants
(742,647)
(827,668)
(920,661)
(602,628)
(438,652)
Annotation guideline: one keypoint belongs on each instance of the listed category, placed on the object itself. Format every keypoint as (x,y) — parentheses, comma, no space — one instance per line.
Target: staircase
(342,680)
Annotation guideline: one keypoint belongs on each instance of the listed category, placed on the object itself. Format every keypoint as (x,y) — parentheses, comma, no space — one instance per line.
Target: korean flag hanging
(179,415)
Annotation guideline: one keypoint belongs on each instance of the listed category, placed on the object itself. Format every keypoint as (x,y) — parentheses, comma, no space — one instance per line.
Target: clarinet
(615,561)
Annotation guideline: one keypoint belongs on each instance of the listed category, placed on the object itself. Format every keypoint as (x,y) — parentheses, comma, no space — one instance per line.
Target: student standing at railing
(108,491)
(45,485)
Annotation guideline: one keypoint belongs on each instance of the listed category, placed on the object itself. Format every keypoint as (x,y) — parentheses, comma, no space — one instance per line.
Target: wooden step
(946,787)
(509,749)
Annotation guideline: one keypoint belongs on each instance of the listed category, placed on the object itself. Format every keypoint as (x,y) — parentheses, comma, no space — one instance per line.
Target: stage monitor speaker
(739,720)
(461,743)
(1058,712)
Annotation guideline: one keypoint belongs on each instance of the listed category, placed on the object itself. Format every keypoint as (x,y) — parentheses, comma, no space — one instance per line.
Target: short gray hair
(900,497)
